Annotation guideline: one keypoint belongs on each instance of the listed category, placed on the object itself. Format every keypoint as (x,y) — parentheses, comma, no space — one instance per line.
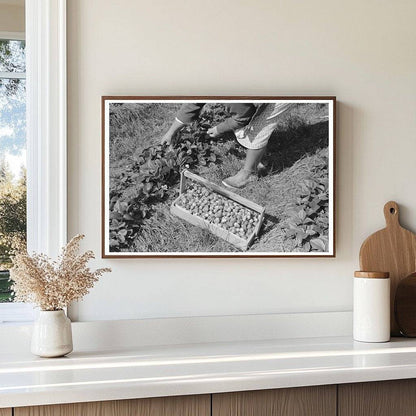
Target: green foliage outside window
(12,223)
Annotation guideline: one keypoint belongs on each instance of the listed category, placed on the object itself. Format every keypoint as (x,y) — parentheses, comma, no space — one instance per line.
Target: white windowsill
(16,313)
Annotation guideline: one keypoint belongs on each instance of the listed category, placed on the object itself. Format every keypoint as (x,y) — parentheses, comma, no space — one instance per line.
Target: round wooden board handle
(391,214)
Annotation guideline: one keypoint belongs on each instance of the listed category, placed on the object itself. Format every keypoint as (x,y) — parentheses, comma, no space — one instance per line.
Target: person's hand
(213,132)
(167,138)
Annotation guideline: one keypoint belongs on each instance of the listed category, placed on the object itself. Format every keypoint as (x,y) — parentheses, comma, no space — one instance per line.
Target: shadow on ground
(286,146)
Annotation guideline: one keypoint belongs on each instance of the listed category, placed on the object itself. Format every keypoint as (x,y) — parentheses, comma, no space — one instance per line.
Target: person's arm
(241,116)
(168,136)
(187,113)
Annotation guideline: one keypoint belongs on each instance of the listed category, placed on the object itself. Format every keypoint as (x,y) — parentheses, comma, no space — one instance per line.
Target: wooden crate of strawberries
(222,212)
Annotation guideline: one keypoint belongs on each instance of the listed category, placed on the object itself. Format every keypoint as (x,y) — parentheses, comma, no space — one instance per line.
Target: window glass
(12,56)
(12,157)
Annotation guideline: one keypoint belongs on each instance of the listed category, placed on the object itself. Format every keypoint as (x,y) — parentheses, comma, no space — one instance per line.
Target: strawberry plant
(152,175)
(307,224)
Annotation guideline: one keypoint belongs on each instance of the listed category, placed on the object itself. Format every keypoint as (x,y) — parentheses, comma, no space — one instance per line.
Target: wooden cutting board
(393,250)
(405,306)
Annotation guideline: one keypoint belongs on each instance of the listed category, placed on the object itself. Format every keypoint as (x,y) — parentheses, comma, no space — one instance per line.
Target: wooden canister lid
(372,275)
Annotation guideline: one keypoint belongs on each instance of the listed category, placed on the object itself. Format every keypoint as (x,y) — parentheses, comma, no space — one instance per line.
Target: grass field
(293,188)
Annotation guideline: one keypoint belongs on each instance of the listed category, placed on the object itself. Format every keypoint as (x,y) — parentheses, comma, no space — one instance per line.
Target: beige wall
(12,18)
(361,51)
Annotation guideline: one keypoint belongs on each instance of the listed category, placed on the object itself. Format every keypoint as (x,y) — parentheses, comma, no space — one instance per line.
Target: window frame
(12,35)
(46,127)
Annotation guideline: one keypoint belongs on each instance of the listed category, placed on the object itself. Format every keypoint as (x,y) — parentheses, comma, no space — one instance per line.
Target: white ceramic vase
(52,334)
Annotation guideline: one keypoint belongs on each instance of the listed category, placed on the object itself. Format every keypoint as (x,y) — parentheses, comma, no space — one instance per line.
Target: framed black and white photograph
(218,176)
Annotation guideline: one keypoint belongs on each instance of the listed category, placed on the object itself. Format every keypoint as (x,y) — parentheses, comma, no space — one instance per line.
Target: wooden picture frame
(138,210)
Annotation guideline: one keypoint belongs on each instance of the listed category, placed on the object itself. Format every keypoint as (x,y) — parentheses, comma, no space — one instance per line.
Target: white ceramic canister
(371,313)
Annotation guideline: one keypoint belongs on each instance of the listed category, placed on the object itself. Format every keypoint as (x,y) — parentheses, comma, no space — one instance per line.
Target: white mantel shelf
(151,371)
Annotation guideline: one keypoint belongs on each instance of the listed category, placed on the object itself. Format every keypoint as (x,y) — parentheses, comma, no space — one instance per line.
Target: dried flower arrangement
(53,285)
